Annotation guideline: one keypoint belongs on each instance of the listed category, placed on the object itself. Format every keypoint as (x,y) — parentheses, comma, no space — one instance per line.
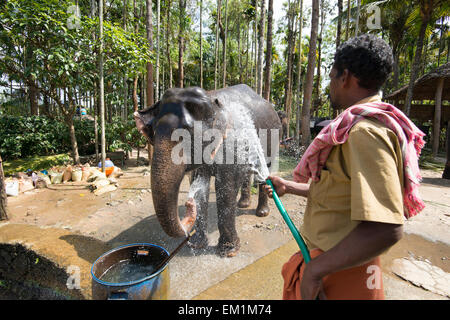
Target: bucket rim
(130,283)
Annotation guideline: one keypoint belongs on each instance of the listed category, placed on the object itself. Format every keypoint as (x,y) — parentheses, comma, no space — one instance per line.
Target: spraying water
(247,138)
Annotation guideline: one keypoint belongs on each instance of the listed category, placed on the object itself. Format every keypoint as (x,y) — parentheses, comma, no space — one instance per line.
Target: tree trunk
(358,12)
(102,88)
(181,44)
(247,52)
(149,28)
(224,46)
(317,101)
(339,24)
(33,95)
(446,173)
(216,66)
(201,44)
(135,96)
(259,72)
(288,83)
(158,36)
(347,27)
(168,34)
(73,139)
(395,66)
(415,67)
(3,197)
(437,117)
(267,71)
(299,76)
(308,88)
(96,112)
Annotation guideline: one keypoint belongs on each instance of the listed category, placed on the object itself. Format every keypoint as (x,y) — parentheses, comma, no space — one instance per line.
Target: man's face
(335,89)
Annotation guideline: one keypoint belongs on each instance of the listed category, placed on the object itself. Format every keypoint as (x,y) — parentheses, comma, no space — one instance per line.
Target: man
(365,177)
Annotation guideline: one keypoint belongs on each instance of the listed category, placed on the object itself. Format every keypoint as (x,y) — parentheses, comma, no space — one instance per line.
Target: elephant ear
(145,120)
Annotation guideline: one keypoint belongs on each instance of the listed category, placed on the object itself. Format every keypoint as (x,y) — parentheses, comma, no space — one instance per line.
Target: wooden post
(437,116)
(446,173)
(3,198)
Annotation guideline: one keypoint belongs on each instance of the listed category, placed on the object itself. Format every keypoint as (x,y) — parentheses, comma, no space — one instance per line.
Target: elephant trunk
(166,177)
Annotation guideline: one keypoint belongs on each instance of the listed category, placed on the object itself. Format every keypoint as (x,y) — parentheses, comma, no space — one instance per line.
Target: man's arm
(283,186)
(367,241)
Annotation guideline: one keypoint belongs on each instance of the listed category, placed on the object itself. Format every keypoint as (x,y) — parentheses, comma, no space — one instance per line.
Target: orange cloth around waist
(349,284)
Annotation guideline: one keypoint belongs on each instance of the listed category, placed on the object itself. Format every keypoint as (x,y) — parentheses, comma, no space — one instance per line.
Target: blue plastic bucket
(152,287)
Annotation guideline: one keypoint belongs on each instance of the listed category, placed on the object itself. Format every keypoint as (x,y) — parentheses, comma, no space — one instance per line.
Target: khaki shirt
(362,181)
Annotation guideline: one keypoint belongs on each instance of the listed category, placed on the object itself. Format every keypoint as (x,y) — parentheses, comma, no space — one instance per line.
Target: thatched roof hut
(425,89)
(433,86)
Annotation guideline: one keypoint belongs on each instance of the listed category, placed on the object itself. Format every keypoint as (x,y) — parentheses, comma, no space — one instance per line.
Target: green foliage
(35,163)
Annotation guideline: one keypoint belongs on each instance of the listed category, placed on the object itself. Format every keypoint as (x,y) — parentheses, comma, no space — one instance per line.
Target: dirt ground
(127,216)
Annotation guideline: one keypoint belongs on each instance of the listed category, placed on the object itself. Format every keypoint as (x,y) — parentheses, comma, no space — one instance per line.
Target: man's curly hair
(368,58)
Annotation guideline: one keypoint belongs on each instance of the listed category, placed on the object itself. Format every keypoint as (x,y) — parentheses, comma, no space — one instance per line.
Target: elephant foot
(244,202)
(198,241)
(228,249)
(262,211)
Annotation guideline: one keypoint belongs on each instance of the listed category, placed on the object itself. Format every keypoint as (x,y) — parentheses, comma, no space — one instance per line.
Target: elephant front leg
(199,190)
(227,187)
(262,210)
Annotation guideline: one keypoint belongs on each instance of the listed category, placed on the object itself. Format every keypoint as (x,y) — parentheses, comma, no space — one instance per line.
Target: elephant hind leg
(244,201)
(227,188)
(263,209)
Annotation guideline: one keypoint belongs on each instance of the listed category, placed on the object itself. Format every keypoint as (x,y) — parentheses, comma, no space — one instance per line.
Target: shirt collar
(373,98)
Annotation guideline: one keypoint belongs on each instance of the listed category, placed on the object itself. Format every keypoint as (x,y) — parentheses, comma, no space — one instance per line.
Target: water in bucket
(127,271)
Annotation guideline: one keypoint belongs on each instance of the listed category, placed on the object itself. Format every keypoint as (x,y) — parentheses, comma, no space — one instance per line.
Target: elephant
(191,111)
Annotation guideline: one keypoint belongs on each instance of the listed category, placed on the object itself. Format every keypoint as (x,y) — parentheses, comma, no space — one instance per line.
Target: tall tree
(290,49)
(101,86)
(299,74)
(339,24)
(426,11)
(347,27)
(224,46)
(216,56)
(124,80)
(259,72)
(201,44)
(308,88)
(181,43)
(168,35)
(358,12)
(267,70)
(317,101)
(149,29)
(158,45)
(3,197)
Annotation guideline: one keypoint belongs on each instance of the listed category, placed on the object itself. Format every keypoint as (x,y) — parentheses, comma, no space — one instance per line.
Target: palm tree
(259,68)
(102,87)
(425,12)
(299,74)
(307,96)
(3,198)
(149,27)
(267,71)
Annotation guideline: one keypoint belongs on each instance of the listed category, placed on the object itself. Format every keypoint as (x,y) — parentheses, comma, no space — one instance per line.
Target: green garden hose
(297,236)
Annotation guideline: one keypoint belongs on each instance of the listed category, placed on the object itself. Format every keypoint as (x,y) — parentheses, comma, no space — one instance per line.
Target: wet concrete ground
(127,216)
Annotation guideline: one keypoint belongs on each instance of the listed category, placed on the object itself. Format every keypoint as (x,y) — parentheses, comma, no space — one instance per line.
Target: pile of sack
(25,181)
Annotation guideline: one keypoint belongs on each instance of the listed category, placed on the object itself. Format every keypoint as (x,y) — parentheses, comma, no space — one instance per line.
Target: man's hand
(311,286)
(278,183)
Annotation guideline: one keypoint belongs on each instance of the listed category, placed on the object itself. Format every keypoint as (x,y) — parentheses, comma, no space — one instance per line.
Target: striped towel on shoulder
(337,131)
